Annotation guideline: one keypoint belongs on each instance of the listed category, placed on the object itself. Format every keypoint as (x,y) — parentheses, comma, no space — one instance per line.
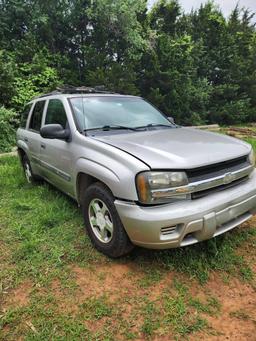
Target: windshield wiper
(154,125)
(120,127)
(110,127)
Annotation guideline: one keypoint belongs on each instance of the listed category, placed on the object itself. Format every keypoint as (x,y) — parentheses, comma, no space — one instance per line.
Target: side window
(56,113)
(24,115)
(36,118)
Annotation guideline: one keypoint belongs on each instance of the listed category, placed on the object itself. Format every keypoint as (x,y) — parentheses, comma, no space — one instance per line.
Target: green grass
(182,314)
(96,308)
(211,307)
(200,260)
(252,142)
(151,322)
(42,239)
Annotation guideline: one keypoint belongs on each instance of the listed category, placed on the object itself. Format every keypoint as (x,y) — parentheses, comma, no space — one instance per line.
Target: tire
(30,177)
(103,223)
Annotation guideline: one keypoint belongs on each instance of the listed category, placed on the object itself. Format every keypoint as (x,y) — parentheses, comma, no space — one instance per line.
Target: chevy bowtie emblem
(228,178)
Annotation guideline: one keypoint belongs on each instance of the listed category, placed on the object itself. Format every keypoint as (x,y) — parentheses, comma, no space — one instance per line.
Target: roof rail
(55,92)
(69,89)
(84,89)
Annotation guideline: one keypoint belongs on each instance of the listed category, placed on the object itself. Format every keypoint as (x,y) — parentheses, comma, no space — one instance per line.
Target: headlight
(153,187)
(252,158)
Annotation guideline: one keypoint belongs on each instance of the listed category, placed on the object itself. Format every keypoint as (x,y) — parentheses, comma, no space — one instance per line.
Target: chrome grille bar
(204,184)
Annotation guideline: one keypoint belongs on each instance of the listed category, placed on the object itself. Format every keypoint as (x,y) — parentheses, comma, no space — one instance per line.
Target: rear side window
(56,113)
(24,115)
(36,118)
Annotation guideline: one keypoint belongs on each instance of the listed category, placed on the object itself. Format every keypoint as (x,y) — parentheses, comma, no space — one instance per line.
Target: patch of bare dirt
(118,282)
(115,281)
(18,297)
(237,318)
(95,325)
(121,285)
(112,280)
(250,223)
(65,301)
(248,249)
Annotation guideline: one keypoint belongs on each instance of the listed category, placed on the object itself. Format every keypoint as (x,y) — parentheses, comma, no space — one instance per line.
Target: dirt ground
(55,286)
(236,320)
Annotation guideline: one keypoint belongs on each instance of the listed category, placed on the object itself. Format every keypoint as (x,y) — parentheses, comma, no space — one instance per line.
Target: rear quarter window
(36,117)
(24,115)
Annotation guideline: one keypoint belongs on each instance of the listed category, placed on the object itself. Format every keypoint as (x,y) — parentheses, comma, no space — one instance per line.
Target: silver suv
(139,178)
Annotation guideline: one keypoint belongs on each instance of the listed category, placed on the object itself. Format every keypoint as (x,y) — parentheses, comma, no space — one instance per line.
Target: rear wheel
(102,222)
(30,177)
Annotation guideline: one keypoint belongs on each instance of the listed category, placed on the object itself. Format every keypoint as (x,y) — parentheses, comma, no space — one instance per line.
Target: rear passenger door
(33,138)
(55,154)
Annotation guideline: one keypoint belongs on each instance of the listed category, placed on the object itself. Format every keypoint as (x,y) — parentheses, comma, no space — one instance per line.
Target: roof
(68,89)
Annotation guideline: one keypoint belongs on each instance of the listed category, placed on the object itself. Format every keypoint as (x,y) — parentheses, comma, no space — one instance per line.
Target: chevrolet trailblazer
(139,178)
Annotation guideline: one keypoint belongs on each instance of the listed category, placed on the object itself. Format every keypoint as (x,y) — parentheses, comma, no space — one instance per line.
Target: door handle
(43,146)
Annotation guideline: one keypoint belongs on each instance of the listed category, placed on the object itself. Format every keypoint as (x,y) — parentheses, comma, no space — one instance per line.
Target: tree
(7,76)
(169,74)
(33,79)
(198,67)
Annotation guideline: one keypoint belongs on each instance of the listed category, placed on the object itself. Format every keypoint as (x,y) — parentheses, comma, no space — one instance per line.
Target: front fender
(119,178)
(110,165)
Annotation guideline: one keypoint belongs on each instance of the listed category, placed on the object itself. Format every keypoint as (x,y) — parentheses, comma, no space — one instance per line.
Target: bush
(8,122)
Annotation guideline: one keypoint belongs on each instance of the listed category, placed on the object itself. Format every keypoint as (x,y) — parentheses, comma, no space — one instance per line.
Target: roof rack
(85,89)
(69,89)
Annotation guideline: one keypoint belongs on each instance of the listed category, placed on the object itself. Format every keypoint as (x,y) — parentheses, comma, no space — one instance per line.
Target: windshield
(131,112)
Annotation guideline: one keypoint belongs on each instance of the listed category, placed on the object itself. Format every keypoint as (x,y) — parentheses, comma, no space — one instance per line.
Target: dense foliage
(198,67)
(8,120)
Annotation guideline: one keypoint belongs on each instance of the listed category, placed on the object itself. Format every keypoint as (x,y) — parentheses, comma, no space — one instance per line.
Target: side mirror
(171,119)
(54,131)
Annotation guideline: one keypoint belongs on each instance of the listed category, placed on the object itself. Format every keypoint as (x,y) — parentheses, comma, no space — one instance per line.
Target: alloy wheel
(100,220)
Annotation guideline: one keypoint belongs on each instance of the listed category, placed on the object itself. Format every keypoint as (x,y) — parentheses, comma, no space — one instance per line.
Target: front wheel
(102,222)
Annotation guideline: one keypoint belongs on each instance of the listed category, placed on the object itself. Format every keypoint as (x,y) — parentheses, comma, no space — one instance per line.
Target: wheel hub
(27,172)
(100,220)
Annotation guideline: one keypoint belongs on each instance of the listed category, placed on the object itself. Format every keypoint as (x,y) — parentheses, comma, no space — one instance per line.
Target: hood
(178,148)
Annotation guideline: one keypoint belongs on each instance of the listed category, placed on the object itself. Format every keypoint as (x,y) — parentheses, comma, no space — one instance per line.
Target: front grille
(201,194)
(218,169)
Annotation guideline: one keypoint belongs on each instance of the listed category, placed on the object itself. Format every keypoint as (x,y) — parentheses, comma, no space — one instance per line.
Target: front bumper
(188,222)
